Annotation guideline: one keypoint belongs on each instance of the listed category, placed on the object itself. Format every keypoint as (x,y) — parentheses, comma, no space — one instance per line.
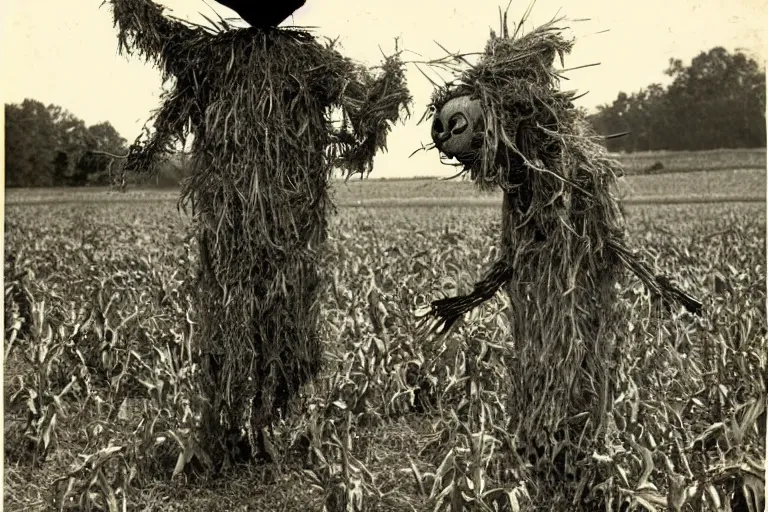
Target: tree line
(717,102)
(48,146)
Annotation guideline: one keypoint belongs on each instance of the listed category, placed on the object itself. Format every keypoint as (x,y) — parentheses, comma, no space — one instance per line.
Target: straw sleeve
(143,28)
(370,103)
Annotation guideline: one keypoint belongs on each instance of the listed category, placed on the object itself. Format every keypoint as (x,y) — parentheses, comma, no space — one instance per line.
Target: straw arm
(659,285)
(449,310)
(689,302)
(370,105)
(170,123)
(106,153)
(143,157)
(143,28)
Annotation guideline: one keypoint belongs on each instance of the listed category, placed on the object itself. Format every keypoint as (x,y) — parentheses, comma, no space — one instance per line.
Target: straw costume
(257,102)
(562,241)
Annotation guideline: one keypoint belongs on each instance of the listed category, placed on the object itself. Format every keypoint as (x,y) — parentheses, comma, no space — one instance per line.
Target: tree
(105,141)
(72,141)
(657,118)
(716,102)
(49,146)
(29,142)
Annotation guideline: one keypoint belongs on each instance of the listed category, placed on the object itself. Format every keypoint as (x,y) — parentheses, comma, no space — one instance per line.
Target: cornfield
(146,348)
(100,393)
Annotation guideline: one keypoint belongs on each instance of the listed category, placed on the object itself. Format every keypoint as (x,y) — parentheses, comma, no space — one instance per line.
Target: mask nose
(439,132)
(457,125)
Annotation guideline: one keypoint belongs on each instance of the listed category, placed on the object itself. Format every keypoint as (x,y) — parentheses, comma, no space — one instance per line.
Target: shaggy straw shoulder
(258,104)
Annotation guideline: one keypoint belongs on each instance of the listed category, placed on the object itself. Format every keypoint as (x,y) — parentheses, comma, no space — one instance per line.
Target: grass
(682,161)
(384,392)
(745,184)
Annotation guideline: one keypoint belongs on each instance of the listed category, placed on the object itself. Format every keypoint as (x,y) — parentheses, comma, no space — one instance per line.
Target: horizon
(86,76)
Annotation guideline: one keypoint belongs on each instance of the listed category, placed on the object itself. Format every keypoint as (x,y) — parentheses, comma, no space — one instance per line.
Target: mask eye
(458,124)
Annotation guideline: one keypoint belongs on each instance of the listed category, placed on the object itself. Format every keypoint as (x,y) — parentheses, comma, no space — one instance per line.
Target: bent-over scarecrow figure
(258,103)
(563,245)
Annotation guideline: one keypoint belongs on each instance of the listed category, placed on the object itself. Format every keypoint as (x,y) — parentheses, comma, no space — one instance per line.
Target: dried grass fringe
(563,245)
(258,104)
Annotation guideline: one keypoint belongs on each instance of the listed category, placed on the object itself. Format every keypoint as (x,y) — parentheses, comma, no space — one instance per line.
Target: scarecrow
(258,103)
(563,243)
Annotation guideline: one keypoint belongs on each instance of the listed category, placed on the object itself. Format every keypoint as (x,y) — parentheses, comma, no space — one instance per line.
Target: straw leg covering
(262,229)
(258,293)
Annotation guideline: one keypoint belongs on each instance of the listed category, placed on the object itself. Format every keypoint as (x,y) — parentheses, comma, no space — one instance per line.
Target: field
(685,161)
(743,184)
(99,395)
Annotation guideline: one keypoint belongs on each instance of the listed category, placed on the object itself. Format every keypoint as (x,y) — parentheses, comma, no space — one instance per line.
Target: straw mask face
(457,127)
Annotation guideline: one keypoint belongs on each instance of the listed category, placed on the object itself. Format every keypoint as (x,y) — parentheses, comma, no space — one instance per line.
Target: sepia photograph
(424,256)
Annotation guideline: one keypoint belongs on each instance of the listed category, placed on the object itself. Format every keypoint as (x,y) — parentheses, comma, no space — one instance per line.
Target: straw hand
(659,285)
(443,314)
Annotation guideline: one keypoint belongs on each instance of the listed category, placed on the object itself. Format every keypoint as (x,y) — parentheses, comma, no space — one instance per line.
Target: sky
(66,52)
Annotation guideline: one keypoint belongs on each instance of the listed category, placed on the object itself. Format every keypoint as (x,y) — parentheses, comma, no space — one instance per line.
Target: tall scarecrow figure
(562,239)
(258,103)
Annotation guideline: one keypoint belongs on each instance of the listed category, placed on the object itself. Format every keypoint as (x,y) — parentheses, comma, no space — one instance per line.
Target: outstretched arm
(659,285)
(369,105)
(144,29)
(170,122)
(444,313)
